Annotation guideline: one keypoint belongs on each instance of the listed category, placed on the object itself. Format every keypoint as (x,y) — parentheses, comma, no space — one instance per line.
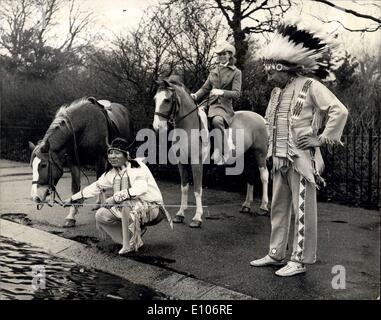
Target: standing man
(302,116)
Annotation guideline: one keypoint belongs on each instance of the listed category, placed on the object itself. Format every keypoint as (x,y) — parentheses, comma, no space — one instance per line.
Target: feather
(302,47)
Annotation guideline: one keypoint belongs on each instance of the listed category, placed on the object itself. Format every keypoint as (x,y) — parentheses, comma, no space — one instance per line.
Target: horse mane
(61,115)
(177,82)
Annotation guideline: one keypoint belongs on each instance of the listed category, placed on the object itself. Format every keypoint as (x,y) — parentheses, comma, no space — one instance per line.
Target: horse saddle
(112,122)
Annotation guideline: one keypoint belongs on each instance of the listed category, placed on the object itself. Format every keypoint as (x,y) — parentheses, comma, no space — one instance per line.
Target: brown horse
(78,136)
(173,103)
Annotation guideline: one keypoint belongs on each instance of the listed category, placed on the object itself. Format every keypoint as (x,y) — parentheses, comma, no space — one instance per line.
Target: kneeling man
(136,202)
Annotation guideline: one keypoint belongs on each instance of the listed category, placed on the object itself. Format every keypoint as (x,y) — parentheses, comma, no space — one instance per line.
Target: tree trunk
(240,41)
(242,47)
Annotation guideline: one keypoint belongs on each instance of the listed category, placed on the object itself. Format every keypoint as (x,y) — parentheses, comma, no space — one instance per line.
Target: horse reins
(52,188)
(70,126)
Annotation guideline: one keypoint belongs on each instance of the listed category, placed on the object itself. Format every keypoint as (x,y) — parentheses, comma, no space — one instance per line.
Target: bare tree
(192,34)
(131,65)
(26,41)
(375,22)
(246,17)
(243,17)
(175,40)
(15,37)
(79,20)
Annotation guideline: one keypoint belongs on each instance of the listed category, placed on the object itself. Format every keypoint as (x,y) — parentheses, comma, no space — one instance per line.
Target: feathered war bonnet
(300,50)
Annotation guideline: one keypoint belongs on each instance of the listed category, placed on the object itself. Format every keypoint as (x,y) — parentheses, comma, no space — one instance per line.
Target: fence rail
(352,172)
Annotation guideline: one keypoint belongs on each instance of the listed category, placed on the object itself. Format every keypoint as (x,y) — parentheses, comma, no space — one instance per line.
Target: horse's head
(166,105)
(47,170)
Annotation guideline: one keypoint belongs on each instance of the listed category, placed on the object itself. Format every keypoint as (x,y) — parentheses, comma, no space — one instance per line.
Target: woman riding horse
(223,85)
(174,104)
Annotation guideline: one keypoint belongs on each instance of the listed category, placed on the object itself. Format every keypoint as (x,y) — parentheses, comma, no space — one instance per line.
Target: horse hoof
(178,219)
(69,223)
(124,251)
(195,224)
(262,212)
(245,209)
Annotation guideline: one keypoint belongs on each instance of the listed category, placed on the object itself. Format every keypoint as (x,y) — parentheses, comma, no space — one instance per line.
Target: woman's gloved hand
(194,97)
(217,92)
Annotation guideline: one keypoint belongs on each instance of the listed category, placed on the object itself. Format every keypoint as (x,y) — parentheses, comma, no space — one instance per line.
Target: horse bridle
(171,115)
(51,185)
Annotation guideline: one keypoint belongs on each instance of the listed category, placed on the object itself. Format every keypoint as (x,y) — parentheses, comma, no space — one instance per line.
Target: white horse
(173,103)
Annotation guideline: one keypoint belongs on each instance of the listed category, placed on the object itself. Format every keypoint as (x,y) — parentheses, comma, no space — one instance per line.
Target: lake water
(29,273)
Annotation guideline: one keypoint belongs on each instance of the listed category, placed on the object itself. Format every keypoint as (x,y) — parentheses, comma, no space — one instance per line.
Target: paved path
(219,253)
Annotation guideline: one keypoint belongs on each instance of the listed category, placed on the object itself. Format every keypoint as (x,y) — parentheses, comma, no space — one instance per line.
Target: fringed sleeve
(337,118)
(330,108)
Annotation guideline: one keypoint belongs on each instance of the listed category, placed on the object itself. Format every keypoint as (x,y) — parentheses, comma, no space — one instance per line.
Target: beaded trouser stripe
(301,213)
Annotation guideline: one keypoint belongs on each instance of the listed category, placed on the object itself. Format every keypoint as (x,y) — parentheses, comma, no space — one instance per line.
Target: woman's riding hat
(225,46)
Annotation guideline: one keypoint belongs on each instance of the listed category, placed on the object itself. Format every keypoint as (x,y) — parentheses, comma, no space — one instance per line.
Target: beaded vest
(284,111)
(121,180)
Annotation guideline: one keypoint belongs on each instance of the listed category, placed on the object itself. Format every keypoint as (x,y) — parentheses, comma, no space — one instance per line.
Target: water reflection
(63,278)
